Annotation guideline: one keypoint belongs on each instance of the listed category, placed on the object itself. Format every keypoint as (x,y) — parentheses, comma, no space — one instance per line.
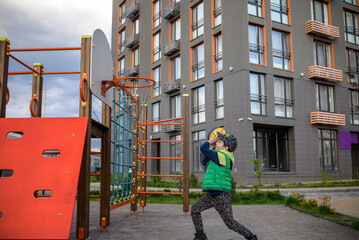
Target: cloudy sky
(50,23)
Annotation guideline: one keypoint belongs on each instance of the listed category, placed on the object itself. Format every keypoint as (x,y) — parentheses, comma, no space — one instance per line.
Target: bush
(233,186)
(156,179)
(193,180)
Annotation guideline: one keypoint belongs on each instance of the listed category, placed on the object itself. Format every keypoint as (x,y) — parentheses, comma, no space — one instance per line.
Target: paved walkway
(166,222)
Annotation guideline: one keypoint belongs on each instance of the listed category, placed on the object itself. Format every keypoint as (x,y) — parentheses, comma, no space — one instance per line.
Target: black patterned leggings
(223,204)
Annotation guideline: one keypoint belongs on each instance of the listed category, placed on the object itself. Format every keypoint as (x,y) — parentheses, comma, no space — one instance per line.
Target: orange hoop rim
(117,81)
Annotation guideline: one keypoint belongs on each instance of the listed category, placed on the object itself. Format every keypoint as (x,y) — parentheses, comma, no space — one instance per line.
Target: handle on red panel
(7,95)
(83,79)
(32,100)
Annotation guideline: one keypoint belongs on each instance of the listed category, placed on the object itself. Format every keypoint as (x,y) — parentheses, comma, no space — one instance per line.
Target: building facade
(275,73)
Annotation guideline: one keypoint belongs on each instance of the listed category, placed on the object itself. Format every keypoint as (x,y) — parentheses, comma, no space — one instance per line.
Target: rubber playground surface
(164,221)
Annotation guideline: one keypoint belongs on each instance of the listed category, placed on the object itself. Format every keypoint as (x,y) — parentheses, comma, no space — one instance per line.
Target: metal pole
(4,69)
(185,135)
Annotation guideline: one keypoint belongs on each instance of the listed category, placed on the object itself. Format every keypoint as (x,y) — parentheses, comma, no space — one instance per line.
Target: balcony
(131,71)
(322,29)
(132,11)
(172,86)
(172,128)
(172,47)
(325,73)
(327,118)
(132,41)
(171,11)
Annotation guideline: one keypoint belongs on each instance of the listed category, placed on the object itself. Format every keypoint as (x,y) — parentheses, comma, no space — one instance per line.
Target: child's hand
(213,140)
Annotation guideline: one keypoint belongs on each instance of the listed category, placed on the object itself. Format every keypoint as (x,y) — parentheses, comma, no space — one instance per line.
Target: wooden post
(83,199)
(105,166)
(185,136)
(36,97)
(4,68)
(135,157)
(143,154)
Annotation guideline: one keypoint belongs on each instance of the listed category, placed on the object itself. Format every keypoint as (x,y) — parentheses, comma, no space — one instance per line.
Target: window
(199,107)
(175,68)
(320,11)
(122,14)
(136,26)
(219,101)
(218,57)
(354,2)
(197,21)
(156,116)
(281,50)
(256,44)
(156,47)
(176,151)
(258,98)
(121,67)
(157,79)
(217,12)
(325,98)
(351,27)
(283,97)
(176,30)
(135,59)
(353,65)
(272,145)
(198,139)
(122,39)
(322,54)
(198,62)
(176,106)
(354,107)
(156,13)
(255,7)
(327,149)
(279,11)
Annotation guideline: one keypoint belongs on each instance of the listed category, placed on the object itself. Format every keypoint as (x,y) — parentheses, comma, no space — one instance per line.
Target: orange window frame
(152,40)
(170,27)
(331,50)
(152,74)
(212,12)
(191,18)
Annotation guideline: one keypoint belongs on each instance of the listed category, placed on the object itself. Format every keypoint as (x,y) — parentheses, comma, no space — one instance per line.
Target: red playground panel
(40,161)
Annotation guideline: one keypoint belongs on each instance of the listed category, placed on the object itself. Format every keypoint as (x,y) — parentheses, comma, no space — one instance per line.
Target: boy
(217,184)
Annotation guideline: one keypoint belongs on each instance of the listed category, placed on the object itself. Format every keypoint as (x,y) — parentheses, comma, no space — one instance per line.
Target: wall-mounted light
(230,68)
(301,74)
(249,119)
(240,120)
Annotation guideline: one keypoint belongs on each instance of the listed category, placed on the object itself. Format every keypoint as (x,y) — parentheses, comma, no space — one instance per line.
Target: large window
(325,98)
(122,17)
(156,116)
(255,7)
(198,62)
(157,79)
(122,40)
(197,20)
(281,50)
(156,47)
(258,97)
(176,151)
(156,13)
(121,67)
(199,107)
(271,145)
(176,68)
(353,65)
(354,107)
(219,102)
(328,149)
(320,11)
(176,107)
(217,12)
(176,30)
(322,54)
(218,57)
(351,27)
(198,139)
(280,11)
(283,97)
(256,44)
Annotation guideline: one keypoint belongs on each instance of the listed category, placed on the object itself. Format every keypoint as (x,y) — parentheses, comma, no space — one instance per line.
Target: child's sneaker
(200,236)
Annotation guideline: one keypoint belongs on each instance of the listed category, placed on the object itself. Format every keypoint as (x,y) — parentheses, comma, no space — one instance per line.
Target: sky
(43,24)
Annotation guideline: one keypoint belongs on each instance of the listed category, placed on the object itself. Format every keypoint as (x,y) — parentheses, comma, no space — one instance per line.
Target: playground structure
(119,185)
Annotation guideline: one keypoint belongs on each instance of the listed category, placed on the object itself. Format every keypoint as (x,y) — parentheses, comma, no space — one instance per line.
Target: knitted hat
(229,140)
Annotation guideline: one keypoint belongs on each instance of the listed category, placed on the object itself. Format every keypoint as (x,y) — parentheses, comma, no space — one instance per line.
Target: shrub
(233,186)
(193,180)
(156,179)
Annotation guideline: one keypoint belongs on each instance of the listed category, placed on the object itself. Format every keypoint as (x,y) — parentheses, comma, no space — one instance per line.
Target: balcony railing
(171,11)
(327,118)
(325,73)
(172,128)
(132,41)
(322,29)
(132,10)
(131,71)
(172,47)
(171,87)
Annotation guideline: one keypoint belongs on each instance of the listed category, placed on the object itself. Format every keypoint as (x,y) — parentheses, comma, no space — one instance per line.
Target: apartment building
(279,74)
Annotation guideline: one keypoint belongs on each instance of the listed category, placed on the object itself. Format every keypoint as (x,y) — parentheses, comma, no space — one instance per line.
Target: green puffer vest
(216,177)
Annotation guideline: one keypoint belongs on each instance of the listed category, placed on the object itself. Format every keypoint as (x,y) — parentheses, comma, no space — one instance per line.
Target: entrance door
(156,152)
(355,159)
